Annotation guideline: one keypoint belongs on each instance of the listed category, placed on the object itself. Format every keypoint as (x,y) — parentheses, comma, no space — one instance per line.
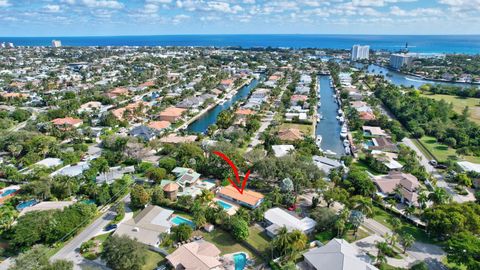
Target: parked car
(110,227)
(433,162)
(441,166)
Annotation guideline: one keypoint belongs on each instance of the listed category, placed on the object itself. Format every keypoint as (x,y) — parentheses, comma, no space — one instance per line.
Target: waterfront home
(49,162)
(171,114)
(197,255)
(147,226)
(384,144)
(176,139)
(67,123)
(282,150)
(8,95)
(374,132)
(143,132)
(226,85)
(249,198)
(398,184)
(366,116)
(8,192)
(190,103)
(159,125)
(326,164)
(276,218)
(301,116)
(244,113)
(337,254)
(290,134)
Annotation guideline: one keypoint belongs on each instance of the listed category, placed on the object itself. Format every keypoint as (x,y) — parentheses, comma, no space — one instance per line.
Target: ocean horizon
(468,44)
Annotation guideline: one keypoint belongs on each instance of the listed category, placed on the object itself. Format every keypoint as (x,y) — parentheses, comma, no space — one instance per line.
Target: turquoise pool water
(8,192)
(369,143)
(224,205)
(240,260)
(26,204)
(177,220)
(89,201)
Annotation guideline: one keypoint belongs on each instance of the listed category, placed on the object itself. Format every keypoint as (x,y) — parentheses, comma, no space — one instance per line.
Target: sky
(159,17)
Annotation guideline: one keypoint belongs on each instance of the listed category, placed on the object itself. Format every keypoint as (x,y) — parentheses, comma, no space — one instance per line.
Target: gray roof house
(337,254)
(143,132)
(147,225)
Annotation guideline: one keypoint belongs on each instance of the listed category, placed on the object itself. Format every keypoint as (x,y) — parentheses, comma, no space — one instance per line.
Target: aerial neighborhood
(108,159)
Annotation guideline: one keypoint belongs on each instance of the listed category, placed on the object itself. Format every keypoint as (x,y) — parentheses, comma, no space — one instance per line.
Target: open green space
(259,240)
(153,260)
(459,103)
(382,216)
(227,244)
(442,152)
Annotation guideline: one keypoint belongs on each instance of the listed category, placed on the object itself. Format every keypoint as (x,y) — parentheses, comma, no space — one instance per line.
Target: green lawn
(420,235)
(225,242)
(325,236)
(459,103)
(153,260)
(259,240)
(442,152)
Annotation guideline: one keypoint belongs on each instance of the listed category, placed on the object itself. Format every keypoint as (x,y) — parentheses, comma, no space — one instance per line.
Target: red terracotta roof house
(290,134)
(159,125)
(15,95)
(118,91)
(147,84)
(171,114)
(249,198)
(244,112)
(366,116)
(67,122)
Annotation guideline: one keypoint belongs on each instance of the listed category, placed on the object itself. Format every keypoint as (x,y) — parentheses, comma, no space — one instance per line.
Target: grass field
(153,260)
(225,242)
(306,129)
(442,152)
(460,103)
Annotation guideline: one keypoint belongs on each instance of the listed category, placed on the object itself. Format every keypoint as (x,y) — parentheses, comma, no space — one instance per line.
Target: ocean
(468,44)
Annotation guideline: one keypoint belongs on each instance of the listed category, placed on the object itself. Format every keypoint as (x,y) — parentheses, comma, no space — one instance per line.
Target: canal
(201,124)
(329,127)
(398,78)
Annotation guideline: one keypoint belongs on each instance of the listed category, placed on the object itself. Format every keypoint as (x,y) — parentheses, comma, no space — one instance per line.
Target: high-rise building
(9,45)
(360,52)
(399,60)
(56,43)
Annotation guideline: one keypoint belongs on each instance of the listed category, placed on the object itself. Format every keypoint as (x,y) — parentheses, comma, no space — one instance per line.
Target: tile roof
(198,255)
(159,124)
(249,197)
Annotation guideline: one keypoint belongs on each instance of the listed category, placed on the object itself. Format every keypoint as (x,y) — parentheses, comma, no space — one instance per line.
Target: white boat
(334,96)
(319,104)
(222,102)
(338,117)
(347,150)
(318,140)
(343,134)
(346,143)
(344,128)
(330,152)
(340,112)
(341,119)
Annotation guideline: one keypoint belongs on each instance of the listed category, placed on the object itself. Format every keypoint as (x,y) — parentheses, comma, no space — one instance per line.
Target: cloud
(112,4)
(4,3)
(52,8)
(368,3)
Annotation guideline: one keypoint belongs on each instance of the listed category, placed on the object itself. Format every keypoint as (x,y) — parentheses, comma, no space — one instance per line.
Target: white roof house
(50,162)
(279,218)
(282,150)
(326,164)
(72,170)
(469,166)
(337,254)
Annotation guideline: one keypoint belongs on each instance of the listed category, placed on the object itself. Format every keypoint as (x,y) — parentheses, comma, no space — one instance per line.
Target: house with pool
(277,218)
(8,193)
(188,182)
(249,198)
(152,221)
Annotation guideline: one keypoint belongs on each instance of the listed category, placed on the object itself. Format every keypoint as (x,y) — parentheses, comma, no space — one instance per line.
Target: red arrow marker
(235,171)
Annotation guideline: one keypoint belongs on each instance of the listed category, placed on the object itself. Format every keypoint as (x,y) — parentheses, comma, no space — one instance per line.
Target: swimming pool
(240,260)
(224,205)
(8,192)
(369,143)
(26,204)
(177,220)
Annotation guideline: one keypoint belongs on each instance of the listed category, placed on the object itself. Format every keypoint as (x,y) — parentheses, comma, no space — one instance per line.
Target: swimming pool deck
(230,211)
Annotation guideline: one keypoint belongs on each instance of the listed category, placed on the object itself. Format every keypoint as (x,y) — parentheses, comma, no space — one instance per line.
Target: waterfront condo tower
(360,52)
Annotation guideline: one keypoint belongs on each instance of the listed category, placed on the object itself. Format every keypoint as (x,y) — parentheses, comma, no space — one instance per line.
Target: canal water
(405,80)
(201,124)
(329,127)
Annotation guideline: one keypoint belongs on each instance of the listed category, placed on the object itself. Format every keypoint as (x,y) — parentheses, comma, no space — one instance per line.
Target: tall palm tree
(422,199)
(410,210)
(363,204)
(439,196)
(407,240)
(298,242)
(395,222)
(381,257)
(206,196)
(281,241)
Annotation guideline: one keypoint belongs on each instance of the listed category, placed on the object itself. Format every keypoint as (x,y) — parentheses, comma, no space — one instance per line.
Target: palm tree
(392,238)
(243,214)
(407,240)
(363,204)
(382,248)
(439,196)
(206,196)
(281,241)
(7,217)
(298,242)
(422,200)
(396,223)
(340,225)
(410,210)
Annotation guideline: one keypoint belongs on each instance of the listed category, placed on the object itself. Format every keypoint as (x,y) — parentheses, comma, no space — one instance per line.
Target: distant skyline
(37,18)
